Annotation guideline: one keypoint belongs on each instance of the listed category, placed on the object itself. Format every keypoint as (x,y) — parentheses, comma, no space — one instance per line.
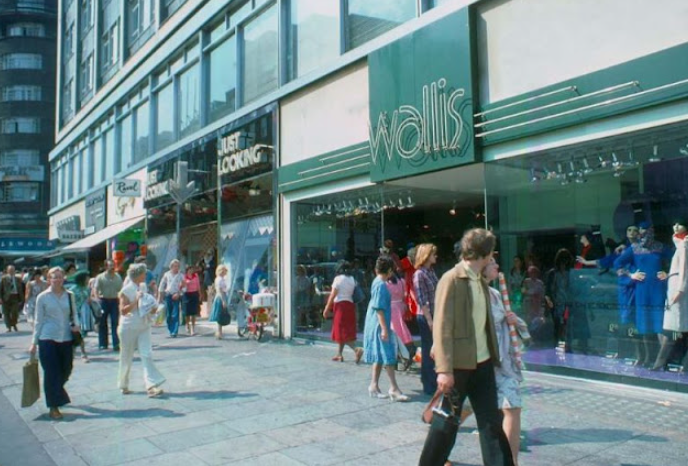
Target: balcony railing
(28,6)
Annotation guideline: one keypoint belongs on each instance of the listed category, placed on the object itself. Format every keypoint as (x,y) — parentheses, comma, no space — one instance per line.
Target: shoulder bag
(76,334)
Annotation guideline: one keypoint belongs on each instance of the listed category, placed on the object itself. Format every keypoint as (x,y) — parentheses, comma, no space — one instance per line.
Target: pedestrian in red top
(192,297)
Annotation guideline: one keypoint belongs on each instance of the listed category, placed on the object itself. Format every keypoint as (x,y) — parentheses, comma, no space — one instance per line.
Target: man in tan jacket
(466,351)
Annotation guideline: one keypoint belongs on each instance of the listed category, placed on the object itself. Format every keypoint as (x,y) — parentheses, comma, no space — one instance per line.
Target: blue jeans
(428,376)
(111,310)
(172,314)
(56,360)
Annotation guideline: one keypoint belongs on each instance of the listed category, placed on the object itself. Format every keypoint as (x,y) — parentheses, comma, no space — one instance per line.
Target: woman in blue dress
(378,341)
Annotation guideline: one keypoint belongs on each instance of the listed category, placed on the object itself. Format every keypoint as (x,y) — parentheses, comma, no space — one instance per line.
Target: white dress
(676,315)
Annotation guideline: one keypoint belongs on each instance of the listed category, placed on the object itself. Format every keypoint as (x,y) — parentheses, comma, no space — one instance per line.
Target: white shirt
(53,317)
(344,284)
(171,283)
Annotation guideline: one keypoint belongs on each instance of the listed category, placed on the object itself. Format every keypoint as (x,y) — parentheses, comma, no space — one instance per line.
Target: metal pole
(179,244)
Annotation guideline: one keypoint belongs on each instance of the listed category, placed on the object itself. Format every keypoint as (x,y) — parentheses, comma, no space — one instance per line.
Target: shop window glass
(98,162)
(111,159)
(189,98)
(582,223)
(367,19)
(314,35)
(126,146)
(142,132)
(164,113)
(260,55)
(223,72)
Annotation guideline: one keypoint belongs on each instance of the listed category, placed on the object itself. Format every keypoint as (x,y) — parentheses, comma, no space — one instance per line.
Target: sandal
(338,358)
(154,392)
(126,391)
(55,414)
(359,355)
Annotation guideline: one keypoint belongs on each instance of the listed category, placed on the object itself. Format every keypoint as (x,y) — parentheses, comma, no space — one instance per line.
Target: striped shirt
(425,284)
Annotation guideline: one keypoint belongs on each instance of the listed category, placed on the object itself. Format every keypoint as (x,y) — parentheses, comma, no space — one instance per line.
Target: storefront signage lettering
(233,159)
(435,127)
(126,188)
(30,173)
(156,188)
(69,229)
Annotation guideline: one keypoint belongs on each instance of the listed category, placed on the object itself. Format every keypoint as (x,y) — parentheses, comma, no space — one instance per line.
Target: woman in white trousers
(134,332)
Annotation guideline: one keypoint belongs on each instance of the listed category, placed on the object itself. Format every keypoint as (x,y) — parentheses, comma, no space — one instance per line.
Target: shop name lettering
(233,159)
(156,188)
(434,128)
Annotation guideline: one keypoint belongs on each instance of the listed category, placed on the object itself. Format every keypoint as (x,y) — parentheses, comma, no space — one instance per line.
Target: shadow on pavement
(93,412)
(182,347)
(210,395)
(559,436)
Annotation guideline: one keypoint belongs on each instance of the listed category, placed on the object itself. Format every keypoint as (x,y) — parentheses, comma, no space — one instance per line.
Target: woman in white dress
(135,308)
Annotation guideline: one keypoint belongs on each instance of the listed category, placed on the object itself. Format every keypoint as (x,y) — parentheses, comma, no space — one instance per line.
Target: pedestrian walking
(82,300)
(466,353)
(52,336)
(192,298)
(424,285)
(379,345)
(34,287)
(221,300)
(340,305)
(172,288)
(107,288)
(397,290)
(11,297)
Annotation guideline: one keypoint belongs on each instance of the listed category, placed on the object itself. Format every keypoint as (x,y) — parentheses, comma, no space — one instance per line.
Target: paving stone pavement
(273,402)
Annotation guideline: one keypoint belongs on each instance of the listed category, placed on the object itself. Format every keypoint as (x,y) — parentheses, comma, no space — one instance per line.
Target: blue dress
(375,350)
(650,294)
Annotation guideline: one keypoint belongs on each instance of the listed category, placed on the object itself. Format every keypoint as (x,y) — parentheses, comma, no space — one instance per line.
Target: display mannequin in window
(676,313)
(647,257)
(591,250)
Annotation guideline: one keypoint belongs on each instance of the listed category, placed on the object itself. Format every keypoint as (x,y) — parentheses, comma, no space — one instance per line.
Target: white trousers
(134,332)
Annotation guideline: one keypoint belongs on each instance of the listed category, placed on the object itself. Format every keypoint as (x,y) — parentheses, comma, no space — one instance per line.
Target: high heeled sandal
(398,396)
(338,358)
(375,393)
(55,414)
(359,355)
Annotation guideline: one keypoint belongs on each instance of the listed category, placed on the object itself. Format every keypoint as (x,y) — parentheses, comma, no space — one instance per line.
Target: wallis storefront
(432,139)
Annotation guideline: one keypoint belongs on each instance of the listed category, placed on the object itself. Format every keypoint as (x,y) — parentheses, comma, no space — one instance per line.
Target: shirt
(425,284)
(479,314)
(344,284)
(192,284)
(108,286)
(53,320)
(171,283)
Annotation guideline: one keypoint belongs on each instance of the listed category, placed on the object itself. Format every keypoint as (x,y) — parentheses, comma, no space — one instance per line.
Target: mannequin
(676,313)
(646,256)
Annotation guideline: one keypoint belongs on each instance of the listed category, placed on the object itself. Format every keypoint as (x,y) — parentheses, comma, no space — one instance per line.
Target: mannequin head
(680,227)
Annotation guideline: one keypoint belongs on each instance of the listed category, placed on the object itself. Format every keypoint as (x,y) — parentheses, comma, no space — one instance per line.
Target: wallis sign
(421,106)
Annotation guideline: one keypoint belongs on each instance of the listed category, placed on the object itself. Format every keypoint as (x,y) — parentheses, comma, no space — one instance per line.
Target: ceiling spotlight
(572,167)
(616,163)
(586,167)
(618,173)
(410,203)
(603,163)
(534,177)
(580,179)
(564,181)
(655,157)
(452,211)
(631,161)
(401,204)
(683,150)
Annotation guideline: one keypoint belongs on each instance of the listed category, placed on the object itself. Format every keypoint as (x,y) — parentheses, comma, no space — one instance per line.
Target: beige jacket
(453,328)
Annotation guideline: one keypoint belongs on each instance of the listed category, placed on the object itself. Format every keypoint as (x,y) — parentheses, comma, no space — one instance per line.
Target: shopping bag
(161,314)
(30,386)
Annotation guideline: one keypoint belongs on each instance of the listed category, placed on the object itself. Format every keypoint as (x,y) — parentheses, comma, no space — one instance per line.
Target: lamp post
(181,189)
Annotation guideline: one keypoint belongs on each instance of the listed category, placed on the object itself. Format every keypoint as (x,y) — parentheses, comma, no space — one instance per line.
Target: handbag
(224,318)
(444,425)
(30,385)
(96,311)
(76,334)
(359,295)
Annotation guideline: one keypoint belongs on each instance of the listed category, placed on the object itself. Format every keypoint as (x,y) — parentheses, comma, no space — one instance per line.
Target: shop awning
(102,235)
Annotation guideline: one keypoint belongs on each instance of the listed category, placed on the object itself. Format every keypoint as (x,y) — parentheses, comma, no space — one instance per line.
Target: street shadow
(101,359)
(562,436)
(182,347)
(210,395)
(93,412)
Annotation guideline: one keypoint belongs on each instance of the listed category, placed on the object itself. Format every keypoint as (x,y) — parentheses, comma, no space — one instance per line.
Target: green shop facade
(441,127)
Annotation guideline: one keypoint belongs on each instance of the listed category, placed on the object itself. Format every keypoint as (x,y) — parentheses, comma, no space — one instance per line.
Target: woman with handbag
(220,312)
(340,305)
(135,308)
(82,301)
(53,335)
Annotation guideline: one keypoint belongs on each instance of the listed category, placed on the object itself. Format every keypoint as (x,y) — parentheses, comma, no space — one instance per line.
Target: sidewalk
(277,403)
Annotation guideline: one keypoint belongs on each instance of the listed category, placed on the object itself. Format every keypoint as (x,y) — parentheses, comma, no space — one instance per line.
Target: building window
(20,125)
(169,7)
(164,111)
(67,101)
(86,75)
(19,192)
(86,15)
(367,20)
(314,35)
(68,42)
(109,154)
(142,132)
(26,30)
(260,55)
(126,142)
(189,98)
(21,93)
(19,158)
(110,44)
(141,14)
(98,165)
(223,72)
(21,61)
